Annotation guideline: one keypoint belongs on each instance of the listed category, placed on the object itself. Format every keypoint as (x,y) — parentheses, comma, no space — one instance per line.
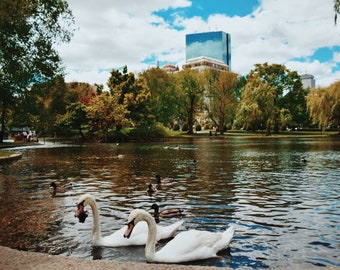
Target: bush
(176,127)
(198,128)
(185,127)
(153,132)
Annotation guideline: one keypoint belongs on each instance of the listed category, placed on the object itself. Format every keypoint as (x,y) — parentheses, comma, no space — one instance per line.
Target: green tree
(105,112)
(40,105)
(324,105)
(28,32)
(163,95)
(279,81)
(257,108)
(190,90)
(222,98)
(294,106)
(75,117)
(78,95)
(133,94)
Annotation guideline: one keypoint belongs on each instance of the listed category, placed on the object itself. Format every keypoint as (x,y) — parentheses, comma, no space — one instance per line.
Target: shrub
(185,127)
(176,127)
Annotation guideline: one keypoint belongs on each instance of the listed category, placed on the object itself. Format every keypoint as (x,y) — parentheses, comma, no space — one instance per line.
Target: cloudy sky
(299,34)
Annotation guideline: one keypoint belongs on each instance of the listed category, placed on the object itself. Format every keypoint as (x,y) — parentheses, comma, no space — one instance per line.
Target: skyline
(110,34)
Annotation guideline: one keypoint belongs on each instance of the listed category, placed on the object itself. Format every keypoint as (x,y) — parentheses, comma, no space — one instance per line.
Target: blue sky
(114,33)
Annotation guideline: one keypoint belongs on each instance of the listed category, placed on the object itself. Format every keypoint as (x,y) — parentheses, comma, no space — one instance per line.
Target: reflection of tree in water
(25,222)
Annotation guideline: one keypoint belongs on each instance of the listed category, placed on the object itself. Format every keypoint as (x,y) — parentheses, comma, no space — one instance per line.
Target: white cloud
(112,34)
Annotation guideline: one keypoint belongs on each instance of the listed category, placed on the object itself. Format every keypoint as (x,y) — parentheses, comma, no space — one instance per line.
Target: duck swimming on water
(166,213)
(60,189)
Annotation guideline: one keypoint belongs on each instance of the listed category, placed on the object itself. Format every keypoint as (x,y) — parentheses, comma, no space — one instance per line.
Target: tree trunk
(221,124)
(3,116)
(191,119)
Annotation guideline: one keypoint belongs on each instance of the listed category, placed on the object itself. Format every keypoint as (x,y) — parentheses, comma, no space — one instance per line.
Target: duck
(303,159)
(186,246)
(151,189)
(164,181)
(116,239)
(166,213)
(60,189)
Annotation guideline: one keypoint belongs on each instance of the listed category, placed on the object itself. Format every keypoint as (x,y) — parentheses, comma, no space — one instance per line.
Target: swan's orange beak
(129,229)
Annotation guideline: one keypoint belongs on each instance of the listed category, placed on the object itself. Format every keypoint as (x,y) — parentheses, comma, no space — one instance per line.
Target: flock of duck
(143,229)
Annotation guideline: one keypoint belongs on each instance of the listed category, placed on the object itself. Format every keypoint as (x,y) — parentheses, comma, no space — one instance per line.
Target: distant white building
(170,68)
(308,81)
(203,62)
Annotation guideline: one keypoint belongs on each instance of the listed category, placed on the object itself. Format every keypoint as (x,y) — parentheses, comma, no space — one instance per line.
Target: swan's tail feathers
(228,235)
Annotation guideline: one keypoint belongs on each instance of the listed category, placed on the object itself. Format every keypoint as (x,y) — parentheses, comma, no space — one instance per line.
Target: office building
(213,45)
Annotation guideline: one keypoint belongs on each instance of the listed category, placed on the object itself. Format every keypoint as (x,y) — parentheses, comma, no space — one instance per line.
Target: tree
(75,117)
(257,108)
(28,32)
(222,99)
(133,94)
(279,81)
(324,106)
(105,112)
(190,93)
(163,95)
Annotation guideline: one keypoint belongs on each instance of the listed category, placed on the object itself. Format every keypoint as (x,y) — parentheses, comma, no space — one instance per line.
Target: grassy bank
(242,133)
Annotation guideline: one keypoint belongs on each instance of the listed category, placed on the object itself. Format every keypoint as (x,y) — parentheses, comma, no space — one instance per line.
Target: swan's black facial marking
(129,229)
(80,213)
(82,216)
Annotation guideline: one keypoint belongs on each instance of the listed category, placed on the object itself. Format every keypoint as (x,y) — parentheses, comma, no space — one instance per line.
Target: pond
(286,212)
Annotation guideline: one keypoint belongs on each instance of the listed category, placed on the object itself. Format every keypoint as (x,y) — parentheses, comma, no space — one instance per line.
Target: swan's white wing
(193,245)
(138,237)
(165,232)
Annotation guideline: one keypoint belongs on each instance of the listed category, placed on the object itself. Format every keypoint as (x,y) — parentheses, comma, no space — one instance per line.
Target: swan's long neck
(150,247)
(96,230)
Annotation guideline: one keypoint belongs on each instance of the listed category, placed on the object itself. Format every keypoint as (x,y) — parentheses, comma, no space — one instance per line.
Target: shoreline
(12,259)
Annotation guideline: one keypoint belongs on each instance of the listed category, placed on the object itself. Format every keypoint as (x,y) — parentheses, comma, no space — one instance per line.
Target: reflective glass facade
(211,44)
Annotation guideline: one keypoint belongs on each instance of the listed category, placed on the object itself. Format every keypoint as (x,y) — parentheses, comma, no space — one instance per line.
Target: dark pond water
(286,213)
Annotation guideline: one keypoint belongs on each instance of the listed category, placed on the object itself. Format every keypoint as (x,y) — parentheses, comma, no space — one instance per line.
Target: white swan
(186,246)
(117,239)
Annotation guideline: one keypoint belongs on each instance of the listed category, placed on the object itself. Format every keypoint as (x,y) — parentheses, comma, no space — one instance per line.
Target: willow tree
(324,105)
(222,98)
(257,109)
(29,31)
(278,79)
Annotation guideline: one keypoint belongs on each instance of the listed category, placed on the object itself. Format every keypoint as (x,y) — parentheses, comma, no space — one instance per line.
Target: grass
(5,153)
(243,133)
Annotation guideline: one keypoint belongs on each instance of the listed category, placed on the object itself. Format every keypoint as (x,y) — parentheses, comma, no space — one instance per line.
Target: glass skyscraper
(215,45)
